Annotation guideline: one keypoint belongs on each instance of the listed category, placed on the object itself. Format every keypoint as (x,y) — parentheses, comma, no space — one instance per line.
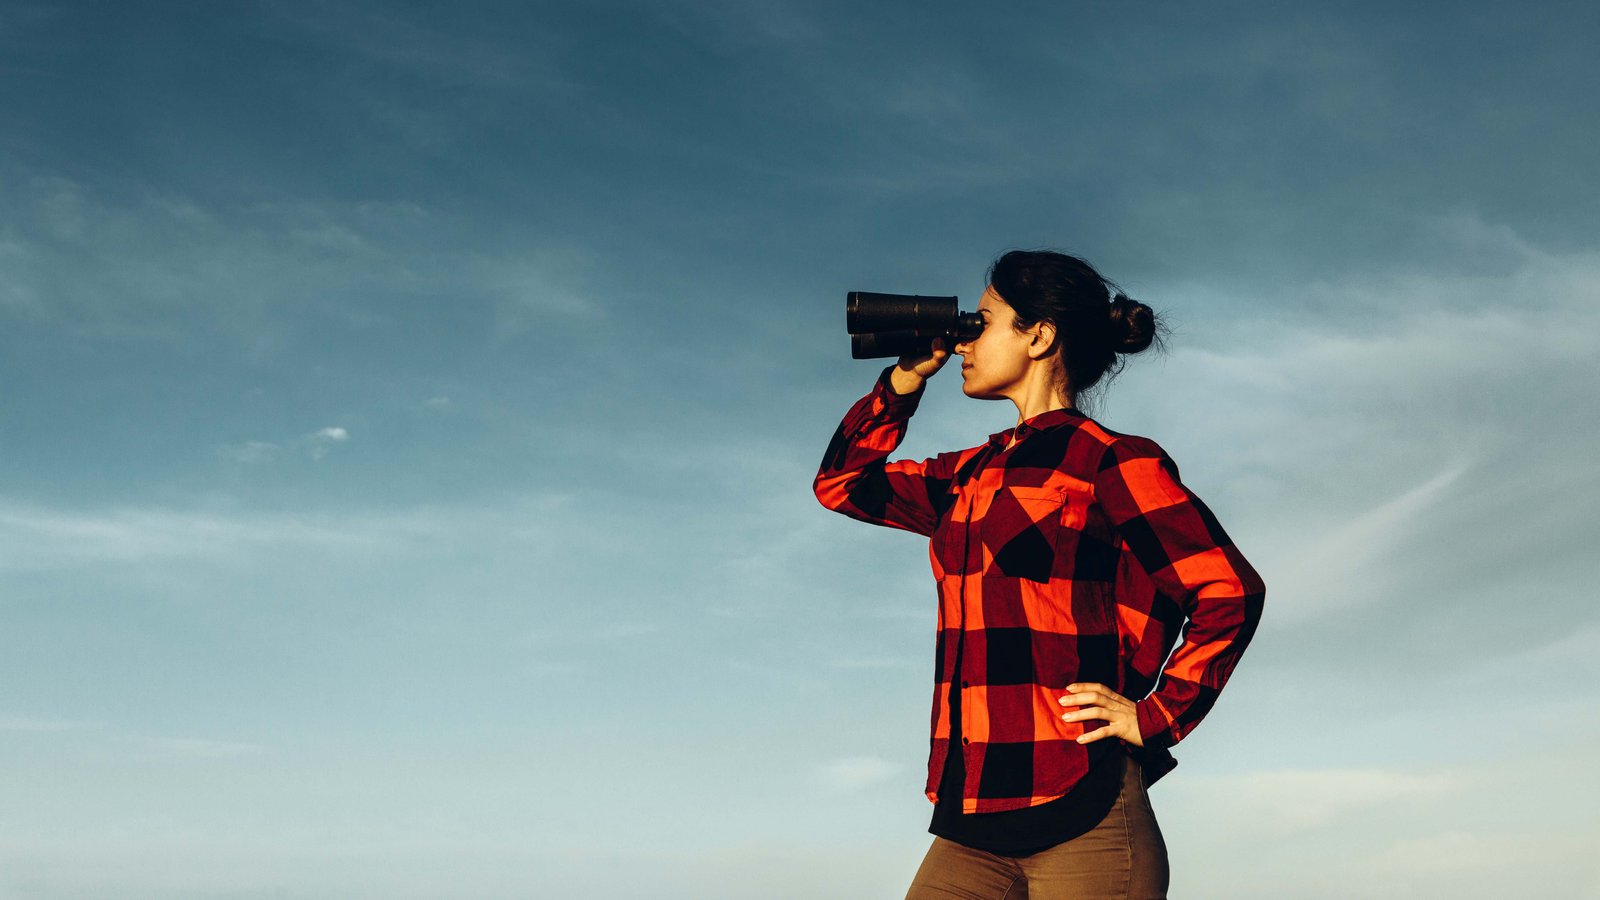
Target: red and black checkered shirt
(1076,555)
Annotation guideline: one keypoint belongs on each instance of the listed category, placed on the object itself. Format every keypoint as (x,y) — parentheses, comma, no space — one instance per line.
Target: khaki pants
(1123,857)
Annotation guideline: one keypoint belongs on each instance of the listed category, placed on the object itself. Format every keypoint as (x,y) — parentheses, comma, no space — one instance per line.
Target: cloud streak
(40,538)
(856,773)
(1286,802)
(1339,570)
(42,726)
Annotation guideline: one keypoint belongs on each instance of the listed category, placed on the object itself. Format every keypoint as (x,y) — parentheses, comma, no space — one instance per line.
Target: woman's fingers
(1095,693)
(1119,723)
(1097,734)
(1096,701)
(927,365)
(1084,698)
(1093,687)
(1091,712)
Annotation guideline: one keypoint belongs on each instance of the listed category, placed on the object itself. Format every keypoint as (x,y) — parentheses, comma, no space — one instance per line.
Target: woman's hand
(911,371)
(1096,701)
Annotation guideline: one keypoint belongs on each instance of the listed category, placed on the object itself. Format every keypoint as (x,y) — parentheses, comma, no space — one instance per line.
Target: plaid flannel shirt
(1076,555)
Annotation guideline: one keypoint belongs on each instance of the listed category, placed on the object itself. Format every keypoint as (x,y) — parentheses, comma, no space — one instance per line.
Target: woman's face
(993,364)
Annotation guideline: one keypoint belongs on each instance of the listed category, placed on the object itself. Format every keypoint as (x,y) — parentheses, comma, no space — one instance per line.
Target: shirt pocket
(1021,531)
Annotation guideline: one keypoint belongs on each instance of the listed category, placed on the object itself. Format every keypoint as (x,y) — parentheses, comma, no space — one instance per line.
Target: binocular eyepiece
(883,325)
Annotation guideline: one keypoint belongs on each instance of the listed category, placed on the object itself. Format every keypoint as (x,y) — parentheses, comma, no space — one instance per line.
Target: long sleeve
(1191,560)
(857,479)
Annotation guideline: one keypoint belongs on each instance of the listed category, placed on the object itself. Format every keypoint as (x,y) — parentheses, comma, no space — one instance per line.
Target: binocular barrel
(884,325)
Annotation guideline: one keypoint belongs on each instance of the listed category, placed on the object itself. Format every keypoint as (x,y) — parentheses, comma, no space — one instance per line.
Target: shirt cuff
(1155,729)
(898,404)
(1153,762)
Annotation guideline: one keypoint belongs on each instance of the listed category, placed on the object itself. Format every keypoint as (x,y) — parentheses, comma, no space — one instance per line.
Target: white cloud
(250,452)
(316,445)
(41,726)
(179,746)
(1464,853)
(885,662)
(1283,802)
(854,773)
(202,748)
(419,48)
(143,265)
(1336,568)
(556,278)
(323,440)
(38,538)
(1474,830)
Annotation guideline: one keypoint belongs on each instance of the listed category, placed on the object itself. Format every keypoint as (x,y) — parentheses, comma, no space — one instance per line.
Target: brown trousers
(1122,857)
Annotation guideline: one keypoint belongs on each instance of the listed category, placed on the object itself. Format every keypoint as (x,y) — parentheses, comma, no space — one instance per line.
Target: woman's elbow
(830,490)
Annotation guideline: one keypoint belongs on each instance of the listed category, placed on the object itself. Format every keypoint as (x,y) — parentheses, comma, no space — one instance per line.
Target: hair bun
(1133,325)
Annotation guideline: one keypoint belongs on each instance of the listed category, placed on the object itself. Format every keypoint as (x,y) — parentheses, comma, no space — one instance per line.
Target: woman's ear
(1044,340)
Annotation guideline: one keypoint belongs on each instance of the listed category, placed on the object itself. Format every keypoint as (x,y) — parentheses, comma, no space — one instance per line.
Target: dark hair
(1095,321)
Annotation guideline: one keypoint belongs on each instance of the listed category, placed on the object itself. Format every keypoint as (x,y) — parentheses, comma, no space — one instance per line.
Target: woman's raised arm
(856,477)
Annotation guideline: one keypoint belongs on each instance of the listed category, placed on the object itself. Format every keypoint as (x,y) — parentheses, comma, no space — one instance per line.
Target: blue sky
(409,415)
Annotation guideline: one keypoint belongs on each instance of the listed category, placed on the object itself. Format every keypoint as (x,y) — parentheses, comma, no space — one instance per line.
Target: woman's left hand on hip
(1096,701)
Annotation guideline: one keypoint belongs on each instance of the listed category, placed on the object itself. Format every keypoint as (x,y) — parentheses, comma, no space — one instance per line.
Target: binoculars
(882,325)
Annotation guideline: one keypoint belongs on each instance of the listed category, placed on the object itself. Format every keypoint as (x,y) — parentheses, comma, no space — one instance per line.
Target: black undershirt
(1020,832)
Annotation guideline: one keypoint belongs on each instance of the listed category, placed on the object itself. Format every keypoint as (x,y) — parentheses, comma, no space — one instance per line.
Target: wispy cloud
(42,726)
(447,53)
(1283,802)
(1494,862)
(854,773)
(315,445)
(1389,832)
(882,662)
(119,740)
(143,264)
(1337,568)
(250,452)
(40,538)
(323,440)
(202,748)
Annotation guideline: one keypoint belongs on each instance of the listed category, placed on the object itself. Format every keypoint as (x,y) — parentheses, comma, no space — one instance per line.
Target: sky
(408,413)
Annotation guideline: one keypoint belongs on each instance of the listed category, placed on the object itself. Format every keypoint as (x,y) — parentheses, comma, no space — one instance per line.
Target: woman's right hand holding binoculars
(911,371)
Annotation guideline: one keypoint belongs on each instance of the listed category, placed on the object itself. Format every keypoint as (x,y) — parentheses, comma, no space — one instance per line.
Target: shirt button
(965,684)
(965,741)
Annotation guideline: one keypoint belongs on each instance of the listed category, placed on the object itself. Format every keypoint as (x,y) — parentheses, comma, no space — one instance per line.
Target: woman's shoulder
(1118,446)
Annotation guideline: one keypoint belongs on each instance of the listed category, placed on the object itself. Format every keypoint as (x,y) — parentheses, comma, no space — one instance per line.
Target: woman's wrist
(903,382)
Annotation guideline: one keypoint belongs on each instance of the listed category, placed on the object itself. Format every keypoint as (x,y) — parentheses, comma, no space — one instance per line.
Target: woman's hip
(1124,856)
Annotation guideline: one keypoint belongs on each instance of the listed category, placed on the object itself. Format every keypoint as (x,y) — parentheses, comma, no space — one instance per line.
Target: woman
(1068,558)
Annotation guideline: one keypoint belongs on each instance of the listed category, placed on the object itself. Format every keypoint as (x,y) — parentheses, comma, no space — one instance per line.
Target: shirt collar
(1042,422)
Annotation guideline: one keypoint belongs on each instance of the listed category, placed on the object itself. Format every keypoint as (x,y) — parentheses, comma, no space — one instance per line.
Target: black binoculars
(883,325)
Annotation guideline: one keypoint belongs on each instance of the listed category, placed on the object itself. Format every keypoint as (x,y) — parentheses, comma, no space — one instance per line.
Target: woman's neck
(1040,392)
